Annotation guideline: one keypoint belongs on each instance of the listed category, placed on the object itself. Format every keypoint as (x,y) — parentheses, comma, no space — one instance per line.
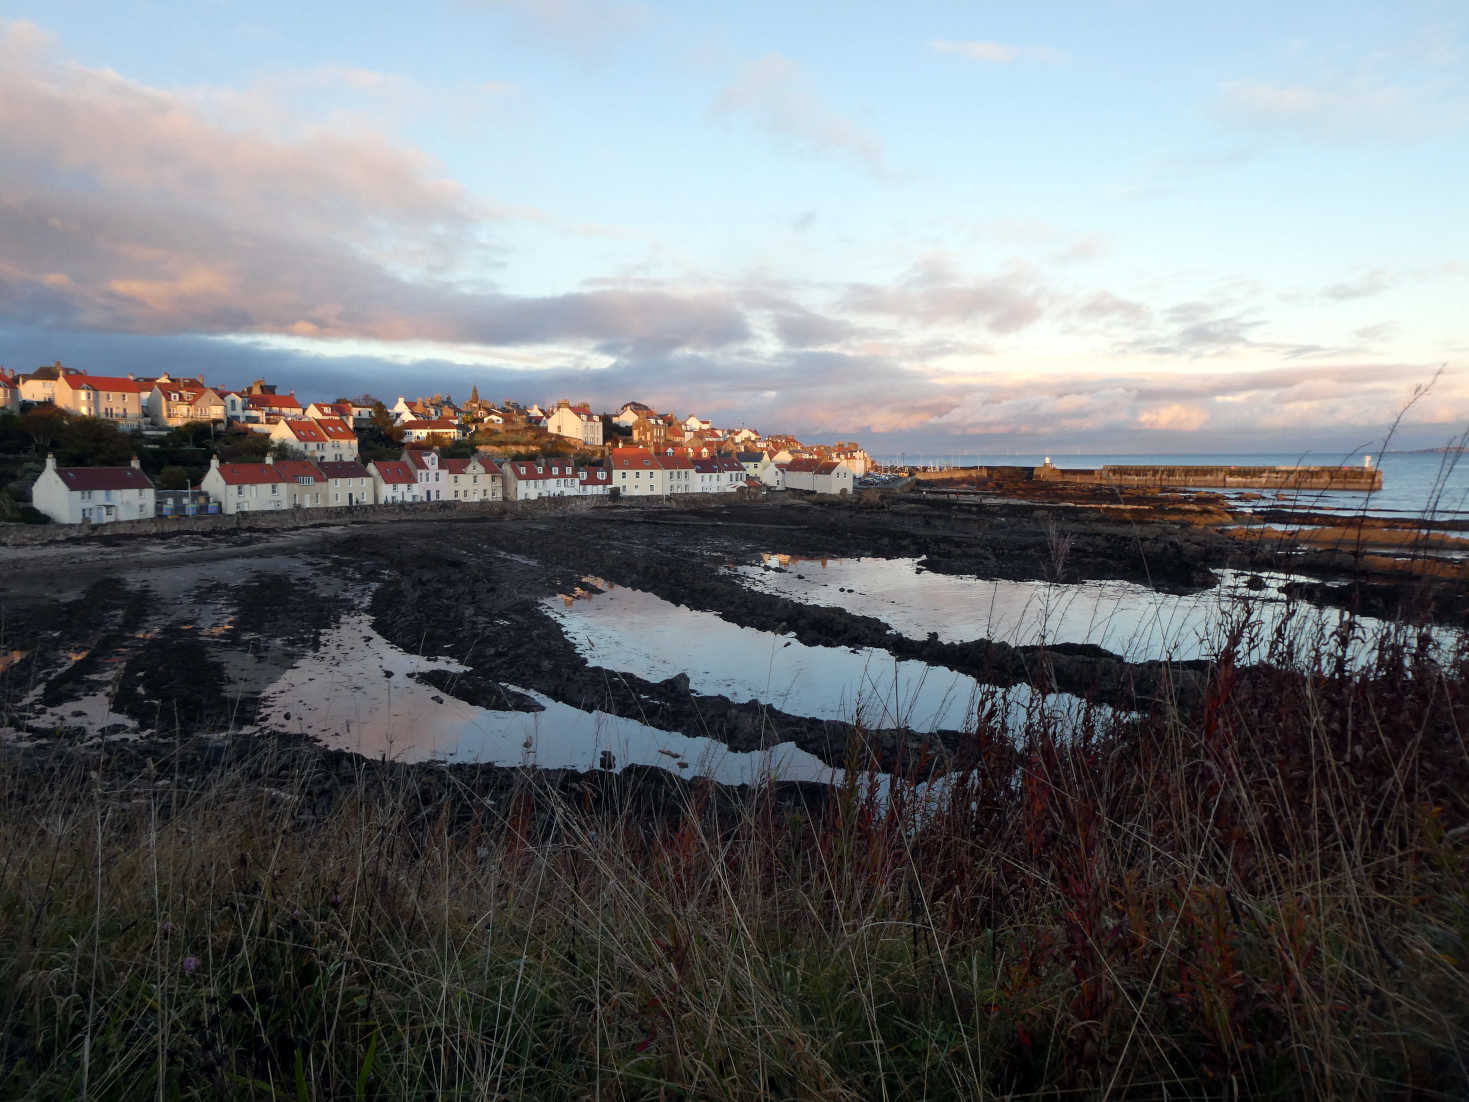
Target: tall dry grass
(1257,892)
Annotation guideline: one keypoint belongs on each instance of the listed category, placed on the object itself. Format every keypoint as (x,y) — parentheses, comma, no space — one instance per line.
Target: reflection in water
(1128,619)
(635,632)
(343,694)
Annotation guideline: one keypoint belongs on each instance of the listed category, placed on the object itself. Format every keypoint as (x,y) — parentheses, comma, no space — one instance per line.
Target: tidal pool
(341,695)
(631,631)
(1131,620)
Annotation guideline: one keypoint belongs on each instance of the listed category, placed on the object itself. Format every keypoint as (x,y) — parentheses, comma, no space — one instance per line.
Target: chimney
(135,464)
(50,461)
(214,462)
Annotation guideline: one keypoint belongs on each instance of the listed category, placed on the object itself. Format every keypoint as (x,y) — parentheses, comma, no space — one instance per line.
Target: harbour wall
(1347,479)
(1350,479)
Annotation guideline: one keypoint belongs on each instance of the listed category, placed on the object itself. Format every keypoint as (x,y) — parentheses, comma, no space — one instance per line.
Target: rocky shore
(165,640)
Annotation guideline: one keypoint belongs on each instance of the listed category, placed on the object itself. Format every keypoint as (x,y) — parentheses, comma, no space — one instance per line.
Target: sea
(1431,485)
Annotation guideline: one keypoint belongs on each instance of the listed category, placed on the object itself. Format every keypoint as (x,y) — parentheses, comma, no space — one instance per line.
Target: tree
(244,447)
(43,424)
(93,442)
(382,420)
(174,478)
(284,449)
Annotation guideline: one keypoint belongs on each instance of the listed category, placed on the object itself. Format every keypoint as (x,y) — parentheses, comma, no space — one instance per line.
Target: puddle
(631,631)
(341,696)
(1128,619)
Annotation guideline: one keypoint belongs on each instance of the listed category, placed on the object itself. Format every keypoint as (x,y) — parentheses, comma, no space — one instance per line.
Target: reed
(1255,891)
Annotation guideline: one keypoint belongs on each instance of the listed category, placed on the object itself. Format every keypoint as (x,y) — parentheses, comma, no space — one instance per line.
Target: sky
(1110,225)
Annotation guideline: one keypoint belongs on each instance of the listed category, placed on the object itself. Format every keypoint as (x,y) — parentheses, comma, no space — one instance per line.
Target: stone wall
(31,535)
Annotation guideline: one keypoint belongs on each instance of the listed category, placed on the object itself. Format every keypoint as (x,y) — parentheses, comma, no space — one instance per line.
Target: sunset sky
(1106,226)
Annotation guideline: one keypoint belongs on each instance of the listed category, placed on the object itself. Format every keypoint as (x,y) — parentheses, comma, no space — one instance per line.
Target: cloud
(1358,108)
(1202,329)
(773,94)
(1382,331)
(1372,283)
(933,292)
(1173,418)
(126,208)
(801,328)
(996,53)
(1354,399)
(1103,306)
(580,22)
(1088,248)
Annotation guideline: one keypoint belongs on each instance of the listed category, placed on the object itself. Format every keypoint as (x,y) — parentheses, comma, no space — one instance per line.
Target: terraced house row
(99,495)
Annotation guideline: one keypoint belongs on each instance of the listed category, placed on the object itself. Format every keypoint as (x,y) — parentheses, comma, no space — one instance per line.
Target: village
(270,452)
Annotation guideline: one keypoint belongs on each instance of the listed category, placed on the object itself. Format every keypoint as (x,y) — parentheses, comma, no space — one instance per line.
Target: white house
(594,481)
(40,385)
(109,397)
(393,481)
(474,479)
(428,472)
(246,487)
(71,495)
(696,424)
(327,439)
(636,473)
(347,483)
(182,402)
(548,476)
(759,465)
(9,392)
(306,482)
(416,430)
(318,410)
(678,473)
(630,413)
(267,409)
(718,475)
(820,476)
(576,423)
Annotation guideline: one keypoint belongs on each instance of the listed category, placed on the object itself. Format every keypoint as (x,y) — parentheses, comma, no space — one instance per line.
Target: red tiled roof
(306,431)
(249,474)
(297,469)
(342,468)
(335,428)
(395,472)
(107,382)
(417,458)
(103,478)
(801,465)
(675,462)
(457,466)
(272,401)
(549,468)
(440,425)
(632,459)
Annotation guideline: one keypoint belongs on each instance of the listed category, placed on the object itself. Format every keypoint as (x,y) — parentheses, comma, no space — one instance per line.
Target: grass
(1259,892)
